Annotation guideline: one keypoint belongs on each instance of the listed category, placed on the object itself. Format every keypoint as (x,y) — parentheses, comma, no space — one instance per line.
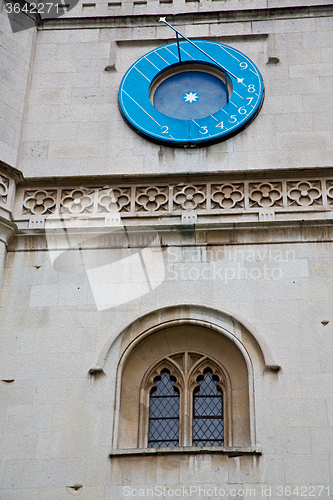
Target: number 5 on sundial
(191,93)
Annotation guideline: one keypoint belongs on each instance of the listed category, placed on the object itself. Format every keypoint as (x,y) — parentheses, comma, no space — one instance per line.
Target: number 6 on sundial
(191,93)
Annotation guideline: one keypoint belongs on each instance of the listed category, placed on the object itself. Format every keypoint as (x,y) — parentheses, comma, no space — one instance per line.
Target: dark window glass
(163,413)
(208,413)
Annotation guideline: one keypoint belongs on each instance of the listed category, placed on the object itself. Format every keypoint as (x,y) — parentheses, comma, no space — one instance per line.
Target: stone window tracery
(185,402)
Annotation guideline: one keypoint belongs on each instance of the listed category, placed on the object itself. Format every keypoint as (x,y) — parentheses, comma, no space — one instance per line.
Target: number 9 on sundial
(191,93)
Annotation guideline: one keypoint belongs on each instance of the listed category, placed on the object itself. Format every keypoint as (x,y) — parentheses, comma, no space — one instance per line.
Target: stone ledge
(230,452)
(200,235)
(150,19)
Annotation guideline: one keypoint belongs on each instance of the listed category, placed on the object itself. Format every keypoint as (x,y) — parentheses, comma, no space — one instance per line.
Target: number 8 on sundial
(191,93)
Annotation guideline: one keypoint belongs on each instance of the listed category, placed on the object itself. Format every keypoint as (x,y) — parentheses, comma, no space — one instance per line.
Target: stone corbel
(7,229)
(9,177)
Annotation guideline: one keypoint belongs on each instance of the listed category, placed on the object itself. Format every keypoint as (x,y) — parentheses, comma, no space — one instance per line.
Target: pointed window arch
(163,428)
(208,424)
(187,400)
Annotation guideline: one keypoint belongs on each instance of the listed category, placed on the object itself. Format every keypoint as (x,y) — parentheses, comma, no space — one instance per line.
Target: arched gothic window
(186,396)
(163,427)
(208,425)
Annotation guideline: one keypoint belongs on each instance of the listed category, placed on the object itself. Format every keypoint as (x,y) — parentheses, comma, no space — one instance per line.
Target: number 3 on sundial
(191,93)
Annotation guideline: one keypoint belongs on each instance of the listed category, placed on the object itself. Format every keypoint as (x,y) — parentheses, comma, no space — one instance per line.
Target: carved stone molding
(233,200)
(175,374)
(199,370)
(4,188)
(9,177)
(131,13)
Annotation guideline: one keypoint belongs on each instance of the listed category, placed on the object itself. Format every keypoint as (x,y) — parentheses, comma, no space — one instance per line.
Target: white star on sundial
(191,97)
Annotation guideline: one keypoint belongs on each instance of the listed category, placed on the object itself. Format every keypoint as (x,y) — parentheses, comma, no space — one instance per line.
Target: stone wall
(92,269)
(16,54)
(58,421)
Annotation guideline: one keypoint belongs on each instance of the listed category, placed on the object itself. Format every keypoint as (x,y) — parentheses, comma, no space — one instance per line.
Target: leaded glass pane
(208,429)
(163,413)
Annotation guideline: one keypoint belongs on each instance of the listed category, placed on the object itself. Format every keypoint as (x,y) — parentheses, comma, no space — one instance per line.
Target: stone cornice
(226,16)
(201,235)
(11,172)
(231,175)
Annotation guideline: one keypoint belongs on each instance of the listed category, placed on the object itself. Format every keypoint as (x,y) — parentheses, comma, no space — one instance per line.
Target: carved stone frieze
(154,199)
(4,188)
(329,192)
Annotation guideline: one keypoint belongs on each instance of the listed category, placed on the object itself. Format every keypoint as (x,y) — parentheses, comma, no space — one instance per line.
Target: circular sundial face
(192,102)
(189,92)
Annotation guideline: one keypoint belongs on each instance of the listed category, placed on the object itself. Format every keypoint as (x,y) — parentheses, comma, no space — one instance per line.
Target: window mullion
(187,416)
(182,417)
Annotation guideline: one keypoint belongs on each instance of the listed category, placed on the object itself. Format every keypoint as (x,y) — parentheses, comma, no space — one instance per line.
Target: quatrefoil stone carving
(77,201)
(152,198)
(227,195)
(189,197)
(304,193)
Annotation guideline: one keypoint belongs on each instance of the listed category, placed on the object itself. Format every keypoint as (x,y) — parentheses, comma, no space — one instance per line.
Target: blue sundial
(191,93)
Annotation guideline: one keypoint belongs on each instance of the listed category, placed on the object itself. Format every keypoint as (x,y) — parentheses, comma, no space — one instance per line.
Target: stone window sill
(230,452)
